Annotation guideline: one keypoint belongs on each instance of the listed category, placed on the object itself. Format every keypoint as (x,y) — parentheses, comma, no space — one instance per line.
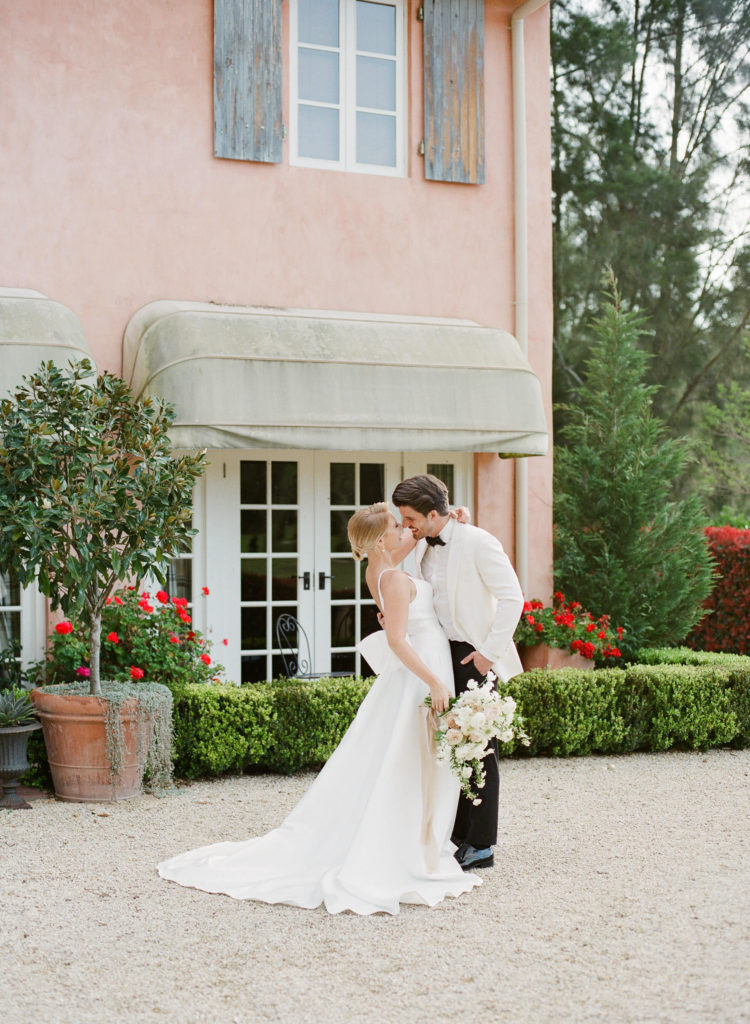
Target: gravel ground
(620,893)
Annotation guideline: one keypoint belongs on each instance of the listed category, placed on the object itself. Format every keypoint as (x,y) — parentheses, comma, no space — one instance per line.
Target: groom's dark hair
(423,493)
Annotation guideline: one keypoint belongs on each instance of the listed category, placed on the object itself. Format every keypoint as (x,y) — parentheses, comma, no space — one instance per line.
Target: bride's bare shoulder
(395,581)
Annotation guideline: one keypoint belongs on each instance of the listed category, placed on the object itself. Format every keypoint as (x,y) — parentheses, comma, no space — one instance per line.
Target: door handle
(305,577)
(322,580)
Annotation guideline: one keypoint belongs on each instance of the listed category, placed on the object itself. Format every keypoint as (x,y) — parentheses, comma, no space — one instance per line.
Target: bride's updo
(366,527)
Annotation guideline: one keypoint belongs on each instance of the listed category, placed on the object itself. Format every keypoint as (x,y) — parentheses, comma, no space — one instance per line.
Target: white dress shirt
(434,567)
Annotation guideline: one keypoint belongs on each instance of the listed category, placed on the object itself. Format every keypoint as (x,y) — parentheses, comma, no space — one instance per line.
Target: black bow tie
(432,541)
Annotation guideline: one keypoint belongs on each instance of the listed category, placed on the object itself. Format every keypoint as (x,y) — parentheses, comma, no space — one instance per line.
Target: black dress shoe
(469,857)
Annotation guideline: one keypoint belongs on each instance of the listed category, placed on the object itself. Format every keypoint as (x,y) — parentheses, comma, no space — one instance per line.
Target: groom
(478,601)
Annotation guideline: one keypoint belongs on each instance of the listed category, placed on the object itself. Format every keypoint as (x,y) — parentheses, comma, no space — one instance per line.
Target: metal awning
(246,377)
(35,329)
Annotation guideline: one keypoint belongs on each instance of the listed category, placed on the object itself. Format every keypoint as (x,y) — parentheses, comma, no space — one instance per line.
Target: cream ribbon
(427,758)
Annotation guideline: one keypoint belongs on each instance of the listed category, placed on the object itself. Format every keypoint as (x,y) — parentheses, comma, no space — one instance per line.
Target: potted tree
(91,495)
(17,721)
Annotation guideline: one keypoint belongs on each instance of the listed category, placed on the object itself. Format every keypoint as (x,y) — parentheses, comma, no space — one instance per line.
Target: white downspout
(520,203)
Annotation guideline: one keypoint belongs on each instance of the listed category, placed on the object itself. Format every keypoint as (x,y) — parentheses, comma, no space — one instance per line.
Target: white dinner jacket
(485,596)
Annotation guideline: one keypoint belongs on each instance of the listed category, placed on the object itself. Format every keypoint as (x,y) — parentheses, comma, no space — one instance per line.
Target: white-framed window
(22,620)
(348,85)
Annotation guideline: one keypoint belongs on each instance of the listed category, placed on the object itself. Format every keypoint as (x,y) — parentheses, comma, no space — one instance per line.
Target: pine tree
(623,545)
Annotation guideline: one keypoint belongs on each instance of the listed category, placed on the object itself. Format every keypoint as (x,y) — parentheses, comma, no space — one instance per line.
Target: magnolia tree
(90,493)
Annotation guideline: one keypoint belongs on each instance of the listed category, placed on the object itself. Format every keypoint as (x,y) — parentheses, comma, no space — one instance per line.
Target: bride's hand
(460,514)
(439,697)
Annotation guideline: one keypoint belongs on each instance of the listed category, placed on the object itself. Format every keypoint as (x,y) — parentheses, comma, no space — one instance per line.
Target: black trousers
(476,825)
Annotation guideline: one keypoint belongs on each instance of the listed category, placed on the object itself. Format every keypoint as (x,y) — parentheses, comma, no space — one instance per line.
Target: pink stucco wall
(110,198)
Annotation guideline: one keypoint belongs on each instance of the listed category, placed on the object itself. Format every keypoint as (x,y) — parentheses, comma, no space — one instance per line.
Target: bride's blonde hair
(366,527)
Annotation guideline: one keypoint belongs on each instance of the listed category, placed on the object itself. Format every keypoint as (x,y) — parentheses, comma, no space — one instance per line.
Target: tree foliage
(651,147)
(623,545)
(90,493)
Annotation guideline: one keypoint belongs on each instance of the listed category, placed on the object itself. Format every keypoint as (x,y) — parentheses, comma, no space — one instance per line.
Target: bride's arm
(396,591)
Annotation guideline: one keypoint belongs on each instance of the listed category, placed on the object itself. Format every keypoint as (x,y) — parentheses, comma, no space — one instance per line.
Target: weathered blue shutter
(247,79)
(454,90)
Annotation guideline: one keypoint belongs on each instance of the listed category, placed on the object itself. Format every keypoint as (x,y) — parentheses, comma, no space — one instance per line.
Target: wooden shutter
(454,90)
(247,79)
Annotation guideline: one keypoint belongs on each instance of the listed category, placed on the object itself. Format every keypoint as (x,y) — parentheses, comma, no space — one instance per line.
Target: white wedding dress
(373,830)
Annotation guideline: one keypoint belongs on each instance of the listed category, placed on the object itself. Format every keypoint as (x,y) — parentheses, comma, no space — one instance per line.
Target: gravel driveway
(620,893)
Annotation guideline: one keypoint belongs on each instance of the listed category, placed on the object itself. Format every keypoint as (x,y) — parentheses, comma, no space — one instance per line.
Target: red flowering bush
(144,638)
(727,626)
(568,626)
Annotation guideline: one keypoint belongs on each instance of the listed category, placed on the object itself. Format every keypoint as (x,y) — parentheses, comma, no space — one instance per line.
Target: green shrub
(280,726)
(569,711)
(289,724)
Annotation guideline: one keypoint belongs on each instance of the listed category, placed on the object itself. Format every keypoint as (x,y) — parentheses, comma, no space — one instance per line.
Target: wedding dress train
(373,830)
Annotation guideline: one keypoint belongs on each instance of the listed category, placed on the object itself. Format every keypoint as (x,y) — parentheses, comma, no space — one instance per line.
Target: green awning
(35,329)
(243,377)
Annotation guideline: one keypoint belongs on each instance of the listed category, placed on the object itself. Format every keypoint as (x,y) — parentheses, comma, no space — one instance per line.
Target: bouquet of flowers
(462,739)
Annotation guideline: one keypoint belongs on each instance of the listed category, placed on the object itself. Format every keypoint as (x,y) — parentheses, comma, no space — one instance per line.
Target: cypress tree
(624,545)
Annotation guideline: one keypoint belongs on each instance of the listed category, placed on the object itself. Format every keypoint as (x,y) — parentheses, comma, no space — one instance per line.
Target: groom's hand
(482,664)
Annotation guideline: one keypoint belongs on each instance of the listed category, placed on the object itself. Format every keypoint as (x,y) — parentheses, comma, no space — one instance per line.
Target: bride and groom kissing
(383,824)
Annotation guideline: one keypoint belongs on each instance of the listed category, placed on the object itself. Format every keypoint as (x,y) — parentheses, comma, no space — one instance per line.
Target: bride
(373,830)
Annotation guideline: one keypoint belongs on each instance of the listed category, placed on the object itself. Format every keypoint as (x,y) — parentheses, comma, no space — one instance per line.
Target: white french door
(272,535)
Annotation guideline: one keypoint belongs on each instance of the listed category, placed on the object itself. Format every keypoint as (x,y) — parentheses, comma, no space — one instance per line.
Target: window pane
(318,132)
(10,630)
(444,471)
(344,663)
(343,571)
(253,579)
(254,629)
(284,581)
(10,591)
(376,27)
(284,483)
(376,83)
(318,22)
(376,139)
(284,526)
(319,75)
(342,483)
(339,536)
(180,578)
(342,626)
(253,668)
(371,483)
(369,619)
(252,483)
(253,531)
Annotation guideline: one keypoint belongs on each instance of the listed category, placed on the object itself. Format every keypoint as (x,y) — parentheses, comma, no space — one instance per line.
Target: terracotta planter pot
(13,762)
(76,742)
(543,656)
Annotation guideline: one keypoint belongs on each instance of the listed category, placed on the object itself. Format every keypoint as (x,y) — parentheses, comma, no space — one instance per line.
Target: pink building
(322,230)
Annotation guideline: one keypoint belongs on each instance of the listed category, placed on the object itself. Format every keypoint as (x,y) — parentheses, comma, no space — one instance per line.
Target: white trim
(347,106)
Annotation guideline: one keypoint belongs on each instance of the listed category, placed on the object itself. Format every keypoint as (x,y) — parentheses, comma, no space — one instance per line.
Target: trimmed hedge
(727,626)
(287,725)
(684,698)
(280,726)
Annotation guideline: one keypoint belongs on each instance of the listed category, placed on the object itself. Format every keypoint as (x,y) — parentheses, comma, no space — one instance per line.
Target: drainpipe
(520,202)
